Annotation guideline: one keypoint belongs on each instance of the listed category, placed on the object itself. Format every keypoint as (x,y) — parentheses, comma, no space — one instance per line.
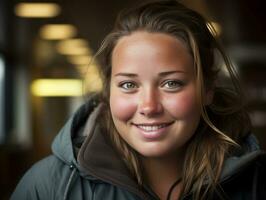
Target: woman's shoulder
(43,179)
(47,168)
(261,175)
(251,165)
(249,180)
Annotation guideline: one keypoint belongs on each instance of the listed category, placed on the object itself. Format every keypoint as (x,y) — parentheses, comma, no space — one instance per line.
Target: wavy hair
(223,123)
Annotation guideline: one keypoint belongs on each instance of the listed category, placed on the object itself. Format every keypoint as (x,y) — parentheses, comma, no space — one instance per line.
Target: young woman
(164,127)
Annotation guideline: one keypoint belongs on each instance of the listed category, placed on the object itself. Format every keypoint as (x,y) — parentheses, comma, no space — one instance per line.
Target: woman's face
(153,93)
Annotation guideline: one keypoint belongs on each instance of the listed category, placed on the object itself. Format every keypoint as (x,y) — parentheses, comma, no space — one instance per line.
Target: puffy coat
(84,165)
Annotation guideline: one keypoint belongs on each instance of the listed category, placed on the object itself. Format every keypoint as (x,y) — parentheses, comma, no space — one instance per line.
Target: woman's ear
(208,97)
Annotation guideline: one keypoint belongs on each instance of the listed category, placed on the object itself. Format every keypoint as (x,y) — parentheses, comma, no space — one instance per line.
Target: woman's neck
(162,173)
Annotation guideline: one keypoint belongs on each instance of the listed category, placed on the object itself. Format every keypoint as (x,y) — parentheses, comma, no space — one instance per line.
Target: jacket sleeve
(26,188)
(261,177)
(38,182)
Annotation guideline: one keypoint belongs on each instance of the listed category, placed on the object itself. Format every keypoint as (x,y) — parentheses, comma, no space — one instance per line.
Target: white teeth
(151,128)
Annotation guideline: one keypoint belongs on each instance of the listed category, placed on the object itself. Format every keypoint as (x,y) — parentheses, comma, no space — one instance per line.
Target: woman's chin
(153,152)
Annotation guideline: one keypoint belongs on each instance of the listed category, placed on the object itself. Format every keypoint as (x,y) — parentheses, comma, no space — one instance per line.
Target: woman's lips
(153,130)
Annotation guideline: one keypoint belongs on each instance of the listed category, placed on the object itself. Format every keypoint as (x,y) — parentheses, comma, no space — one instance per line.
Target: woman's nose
(150,104)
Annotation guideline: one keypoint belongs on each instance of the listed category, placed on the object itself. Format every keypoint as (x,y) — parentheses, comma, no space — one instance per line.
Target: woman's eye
(172,84)
(128,85)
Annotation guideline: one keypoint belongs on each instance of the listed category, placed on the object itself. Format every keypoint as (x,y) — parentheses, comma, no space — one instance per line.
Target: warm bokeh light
(80,59)
(82,69)
(215,28)
(37,10)
(57,31)
(93,82)
(74,42)
(73,47)
(57,87)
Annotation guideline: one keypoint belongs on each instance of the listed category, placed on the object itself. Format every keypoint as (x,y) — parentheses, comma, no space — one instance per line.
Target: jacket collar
(249,154)
(99,159)
(63,145)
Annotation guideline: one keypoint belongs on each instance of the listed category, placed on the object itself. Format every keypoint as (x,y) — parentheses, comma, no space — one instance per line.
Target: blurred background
(45,52)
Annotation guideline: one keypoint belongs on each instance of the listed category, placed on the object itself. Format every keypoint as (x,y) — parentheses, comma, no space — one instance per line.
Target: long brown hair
(222,124)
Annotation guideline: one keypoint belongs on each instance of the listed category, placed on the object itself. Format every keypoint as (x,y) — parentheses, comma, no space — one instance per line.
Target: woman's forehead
(154,51)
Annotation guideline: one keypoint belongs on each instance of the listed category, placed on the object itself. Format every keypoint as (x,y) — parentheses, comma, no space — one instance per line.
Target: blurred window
(2,72)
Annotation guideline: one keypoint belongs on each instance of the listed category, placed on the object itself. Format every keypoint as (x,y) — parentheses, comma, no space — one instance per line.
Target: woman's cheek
(181,105)
(122,107)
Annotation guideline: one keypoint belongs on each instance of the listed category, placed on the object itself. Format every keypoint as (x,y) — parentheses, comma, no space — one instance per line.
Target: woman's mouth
(152,127)
(153,130)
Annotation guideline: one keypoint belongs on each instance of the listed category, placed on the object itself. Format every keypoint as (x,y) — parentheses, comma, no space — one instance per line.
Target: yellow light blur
(87,69)
(215,28)
(57,31)
(82,69)
(37,10)
(94,84)
(80,59)
(56,87)
(74,42)
(93,80)
(73,47)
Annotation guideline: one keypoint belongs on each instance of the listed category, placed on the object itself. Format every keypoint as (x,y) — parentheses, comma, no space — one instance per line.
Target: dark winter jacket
(85,166)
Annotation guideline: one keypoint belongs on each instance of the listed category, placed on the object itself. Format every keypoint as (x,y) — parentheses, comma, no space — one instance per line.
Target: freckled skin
(147,55)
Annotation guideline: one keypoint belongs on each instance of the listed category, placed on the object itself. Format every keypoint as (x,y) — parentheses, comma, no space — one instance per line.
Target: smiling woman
(163,127)
(153,83)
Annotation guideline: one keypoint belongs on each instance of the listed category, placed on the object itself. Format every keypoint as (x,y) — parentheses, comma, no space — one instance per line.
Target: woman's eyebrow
(170,72)
(160,74)
(126,74)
